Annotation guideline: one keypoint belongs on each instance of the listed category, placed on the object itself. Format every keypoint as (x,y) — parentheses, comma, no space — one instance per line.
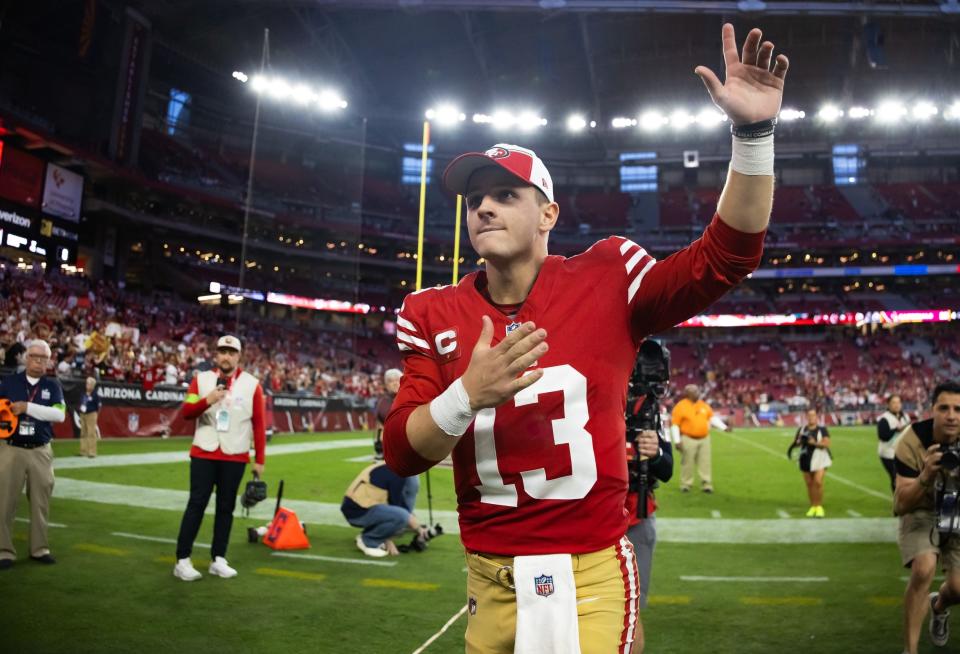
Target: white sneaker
(185,570)
(939,623)
(220,568)
(375,552)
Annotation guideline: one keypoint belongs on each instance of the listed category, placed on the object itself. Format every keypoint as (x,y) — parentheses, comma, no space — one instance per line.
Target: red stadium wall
(129,410)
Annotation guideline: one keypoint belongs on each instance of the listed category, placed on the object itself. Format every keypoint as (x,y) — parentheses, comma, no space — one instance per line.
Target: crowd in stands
(838,369)
(103,330)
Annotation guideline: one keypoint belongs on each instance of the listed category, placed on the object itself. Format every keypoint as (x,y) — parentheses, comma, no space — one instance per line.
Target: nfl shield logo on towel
(544,585)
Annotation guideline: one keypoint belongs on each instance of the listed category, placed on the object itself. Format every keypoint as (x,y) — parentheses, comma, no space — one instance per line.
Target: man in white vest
(228,406)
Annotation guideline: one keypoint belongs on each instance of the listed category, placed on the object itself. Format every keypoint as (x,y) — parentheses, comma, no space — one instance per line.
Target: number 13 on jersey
(569,430)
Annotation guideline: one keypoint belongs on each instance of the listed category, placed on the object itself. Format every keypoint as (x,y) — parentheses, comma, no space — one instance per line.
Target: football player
(521,372)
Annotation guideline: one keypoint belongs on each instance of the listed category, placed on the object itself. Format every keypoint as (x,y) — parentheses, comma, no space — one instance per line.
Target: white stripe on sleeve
(635,284)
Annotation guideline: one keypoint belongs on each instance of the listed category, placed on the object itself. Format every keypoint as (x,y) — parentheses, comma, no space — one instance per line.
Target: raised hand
(494,373)
(752,91)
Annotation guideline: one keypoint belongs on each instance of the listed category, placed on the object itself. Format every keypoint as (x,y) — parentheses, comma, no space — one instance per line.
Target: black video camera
(254,493)
(647,386)
(419,541)
(951,456)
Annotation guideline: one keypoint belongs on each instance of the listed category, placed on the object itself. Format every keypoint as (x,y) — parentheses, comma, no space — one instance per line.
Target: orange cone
(285,532)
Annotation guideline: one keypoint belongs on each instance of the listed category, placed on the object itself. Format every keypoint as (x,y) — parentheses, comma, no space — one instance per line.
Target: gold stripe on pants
(696,453)
(19,466)
(88,434)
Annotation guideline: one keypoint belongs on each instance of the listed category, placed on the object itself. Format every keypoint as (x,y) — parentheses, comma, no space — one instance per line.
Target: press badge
(27,428)
(223,420)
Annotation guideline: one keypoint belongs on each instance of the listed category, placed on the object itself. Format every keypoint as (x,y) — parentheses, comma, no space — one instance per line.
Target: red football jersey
(545,472)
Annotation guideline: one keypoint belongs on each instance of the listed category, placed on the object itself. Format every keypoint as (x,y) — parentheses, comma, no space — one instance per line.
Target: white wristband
(451,410)
(753,156)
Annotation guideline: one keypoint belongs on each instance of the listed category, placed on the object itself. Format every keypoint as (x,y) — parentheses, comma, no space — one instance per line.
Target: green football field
(738,571)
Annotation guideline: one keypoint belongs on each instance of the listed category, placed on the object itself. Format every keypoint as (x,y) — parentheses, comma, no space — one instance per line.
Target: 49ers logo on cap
(497,153)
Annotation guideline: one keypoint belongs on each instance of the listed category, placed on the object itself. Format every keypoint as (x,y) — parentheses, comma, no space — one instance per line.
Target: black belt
(26,446)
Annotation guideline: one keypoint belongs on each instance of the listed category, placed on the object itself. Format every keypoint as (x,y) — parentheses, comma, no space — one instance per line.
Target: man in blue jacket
(26,457)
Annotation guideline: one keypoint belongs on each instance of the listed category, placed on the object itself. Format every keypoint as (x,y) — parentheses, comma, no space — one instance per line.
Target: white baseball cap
(231,342)
(522,163)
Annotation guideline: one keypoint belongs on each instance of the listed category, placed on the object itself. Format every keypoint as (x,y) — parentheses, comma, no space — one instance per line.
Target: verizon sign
(63,193)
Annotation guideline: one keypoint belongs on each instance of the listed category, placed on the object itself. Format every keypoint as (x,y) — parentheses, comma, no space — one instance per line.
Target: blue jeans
(383,521)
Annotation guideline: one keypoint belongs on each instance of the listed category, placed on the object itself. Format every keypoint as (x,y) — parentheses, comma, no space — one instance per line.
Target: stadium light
(789,115)
(445,114)
(680,119)
(620,122)
(830,113)
(300,94)
(239,76)
(576,123)
(890,112)
(710,117)
(923,111)
(527,120)
(858,113)
(953,111)
(651,120)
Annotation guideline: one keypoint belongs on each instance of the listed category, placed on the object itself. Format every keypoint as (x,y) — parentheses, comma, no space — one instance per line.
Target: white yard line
(49,524)
(830,475)
(854,514)
(335,559)
(184,455)
(802,580)
(318,513)
(442,630)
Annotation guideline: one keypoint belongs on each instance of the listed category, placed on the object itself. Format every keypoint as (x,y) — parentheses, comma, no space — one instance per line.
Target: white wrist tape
(451,410)
(753,156)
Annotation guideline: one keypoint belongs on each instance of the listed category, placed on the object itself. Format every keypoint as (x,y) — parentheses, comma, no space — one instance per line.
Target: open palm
(752,91)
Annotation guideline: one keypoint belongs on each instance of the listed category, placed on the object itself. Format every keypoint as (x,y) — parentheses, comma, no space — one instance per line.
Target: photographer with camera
(381,502)
(926,499)
(813,439)
(649,454)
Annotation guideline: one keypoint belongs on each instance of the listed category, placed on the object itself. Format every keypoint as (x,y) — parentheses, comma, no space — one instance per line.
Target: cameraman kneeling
(928,485)
(381,502)
(642,532)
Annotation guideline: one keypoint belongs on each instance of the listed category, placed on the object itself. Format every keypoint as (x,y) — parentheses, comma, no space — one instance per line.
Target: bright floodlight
(619,122)
(710,117)
(680,119)
(502,119)
(856,113)
(890,112)
(482,118)
(953,111)
(301,94)
(651,120)
(528,120)
(830,113)
(279,88)
(923,110)
(259,83)
(788,115)
(239,76)
(329,100)
(576,123)
(445,114)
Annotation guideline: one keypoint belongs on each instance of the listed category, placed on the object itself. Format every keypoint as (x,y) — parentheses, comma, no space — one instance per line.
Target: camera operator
(926,499)
(813,439)
(642,532)
(893,421)
(381,502)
